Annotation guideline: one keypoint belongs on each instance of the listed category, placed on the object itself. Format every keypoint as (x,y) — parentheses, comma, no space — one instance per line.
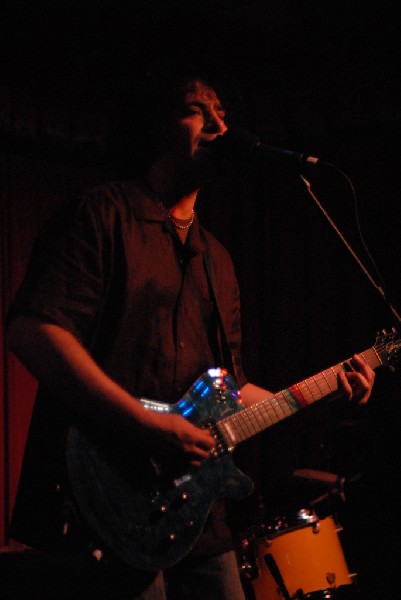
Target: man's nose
(214,123)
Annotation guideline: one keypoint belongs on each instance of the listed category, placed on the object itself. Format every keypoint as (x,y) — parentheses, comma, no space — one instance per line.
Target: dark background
(317,77)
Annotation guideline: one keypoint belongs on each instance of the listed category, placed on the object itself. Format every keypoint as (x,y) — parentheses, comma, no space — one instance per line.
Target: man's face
(199,119)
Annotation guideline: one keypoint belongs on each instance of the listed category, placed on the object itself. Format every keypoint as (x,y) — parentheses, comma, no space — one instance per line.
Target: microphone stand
(378,288)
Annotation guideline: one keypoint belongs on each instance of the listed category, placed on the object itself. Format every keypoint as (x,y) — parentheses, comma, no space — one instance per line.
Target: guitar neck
(258,417)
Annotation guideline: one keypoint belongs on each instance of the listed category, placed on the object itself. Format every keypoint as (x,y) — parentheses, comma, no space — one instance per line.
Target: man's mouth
(205,143)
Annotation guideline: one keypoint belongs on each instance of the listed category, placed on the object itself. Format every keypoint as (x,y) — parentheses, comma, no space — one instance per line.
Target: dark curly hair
(147,103)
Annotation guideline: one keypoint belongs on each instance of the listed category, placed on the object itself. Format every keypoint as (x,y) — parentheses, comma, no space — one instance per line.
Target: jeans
(198,578)
(194,578)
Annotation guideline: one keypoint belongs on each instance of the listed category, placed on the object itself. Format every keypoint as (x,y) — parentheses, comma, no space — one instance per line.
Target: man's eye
(191,110)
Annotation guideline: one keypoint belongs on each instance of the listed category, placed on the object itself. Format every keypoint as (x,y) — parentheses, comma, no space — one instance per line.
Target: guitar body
(150,512)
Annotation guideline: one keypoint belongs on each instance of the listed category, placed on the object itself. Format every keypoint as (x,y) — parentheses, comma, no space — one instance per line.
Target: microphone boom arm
(377,287)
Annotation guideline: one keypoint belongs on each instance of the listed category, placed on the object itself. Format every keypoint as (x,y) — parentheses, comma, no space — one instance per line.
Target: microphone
(240,145)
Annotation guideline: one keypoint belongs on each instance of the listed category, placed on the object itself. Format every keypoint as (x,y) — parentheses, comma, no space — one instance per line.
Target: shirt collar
(146,208)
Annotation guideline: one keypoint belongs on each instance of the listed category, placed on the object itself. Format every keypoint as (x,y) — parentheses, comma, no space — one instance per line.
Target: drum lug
(316,527)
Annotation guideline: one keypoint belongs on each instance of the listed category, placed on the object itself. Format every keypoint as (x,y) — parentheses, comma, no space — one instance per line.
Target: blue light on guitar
(205,391)
(187,411)
(185,407)
(201,388)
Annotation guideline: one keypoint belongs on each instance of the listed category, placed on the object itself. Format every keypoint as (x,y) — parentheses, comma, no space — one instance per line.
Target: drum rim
(284,524)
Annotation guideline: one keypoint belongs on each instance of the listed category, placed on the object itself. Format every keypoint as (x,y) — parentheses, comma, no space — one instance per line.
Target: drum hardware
(246,559)
(250,570)
(332,483)
(275,571)
(285,524)
(328,594)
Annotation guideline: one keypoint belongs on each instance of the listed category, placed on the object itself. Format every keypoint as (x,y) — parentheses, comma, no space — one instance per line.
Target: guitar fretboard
(258,417)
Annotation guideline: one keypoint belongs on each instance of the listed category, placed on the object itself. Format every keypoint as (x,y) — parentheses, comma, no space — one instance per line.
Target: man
(128,297)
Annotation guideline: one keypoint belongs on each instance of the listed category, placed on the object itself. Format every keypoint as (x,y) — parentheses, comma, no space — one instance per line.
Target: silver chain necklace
(174,221)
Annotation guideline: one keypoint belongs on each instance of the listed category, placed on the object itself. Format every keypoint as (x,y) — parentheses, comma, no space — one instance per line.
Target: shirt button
(182,344)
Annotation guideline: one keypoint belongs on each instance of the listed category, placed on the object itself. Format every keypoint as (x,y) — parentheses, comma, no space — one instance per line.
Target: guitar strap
(228,360)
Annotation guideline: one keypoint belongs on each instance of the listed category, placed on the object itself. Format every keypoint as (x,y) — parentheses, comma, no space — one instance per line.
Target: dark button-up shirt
(153,312)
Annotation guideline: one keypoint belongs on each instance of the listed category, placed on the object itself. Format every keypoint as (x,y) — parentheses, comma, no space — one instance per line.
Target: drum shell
(309,558)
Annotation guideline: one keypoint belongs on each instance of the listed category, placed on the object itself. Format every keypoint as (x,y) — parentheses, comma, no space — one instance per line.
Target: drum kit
(297,556)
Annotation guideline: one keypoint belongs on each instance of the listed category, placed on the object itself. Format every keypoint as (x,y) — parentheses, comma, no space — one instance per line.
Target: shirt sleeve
(65,278)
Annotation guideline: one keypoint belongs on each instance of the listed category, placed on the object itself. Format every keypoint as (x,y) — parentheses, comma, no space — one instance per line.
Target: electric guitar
(151,516)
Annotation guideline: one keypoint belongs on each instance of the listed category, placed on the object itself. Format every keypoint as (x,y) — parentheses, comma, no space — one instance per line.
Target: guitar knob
(172,537)
(163,508)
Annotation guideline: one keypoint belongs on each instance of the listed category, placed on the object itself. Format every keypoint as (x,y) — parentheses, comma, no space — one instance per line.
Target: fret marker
(296,392)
